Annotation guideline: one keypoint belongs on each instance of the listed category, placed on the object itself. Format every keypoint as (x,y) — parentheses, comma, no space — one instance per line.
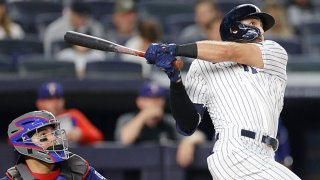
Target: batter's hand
(162,56)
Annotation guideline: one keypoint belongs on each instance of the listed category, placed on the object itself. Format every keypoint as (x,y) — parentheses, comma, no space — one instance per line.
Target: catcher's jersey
(239,95)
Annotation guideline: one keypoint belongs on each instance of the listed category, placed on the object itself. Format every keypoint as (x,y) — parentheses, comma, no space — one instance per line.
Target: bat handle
(178,63)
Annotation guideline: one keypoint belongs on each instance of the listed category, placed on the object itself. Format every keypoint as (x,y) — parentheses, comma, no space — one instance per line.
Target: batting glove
(169,48)
(162,55)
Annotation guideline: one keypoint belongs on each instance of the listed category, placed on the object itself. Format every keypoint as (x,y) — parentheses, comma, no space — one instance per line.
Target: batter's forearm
(214,51)
(220,51)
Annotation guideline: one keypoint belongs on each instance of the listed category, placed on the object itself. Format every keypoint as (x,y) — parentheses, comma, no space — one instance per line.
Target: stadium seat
(310,33)
(25,12)
(43,20)
(41,68)
(7,69)
(115,69)
(16,48)
(309,27)
(175,23)
(163,9)
(59,45)
(303,63)
(292,46)
(226,5)
(100,8)
(21,46)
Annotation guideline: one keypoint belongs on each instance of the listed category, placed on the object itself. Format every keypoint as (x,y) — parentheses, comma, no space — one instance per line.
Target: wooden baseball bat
(93,42)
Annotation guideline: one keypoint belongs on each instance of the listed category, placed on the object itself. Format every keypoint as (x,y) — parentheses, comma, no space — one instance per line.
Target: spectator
(281,28)
(8,29)
(124,20)
(212,28)
(211,32)
(151,124)
(204,11)
(81,56)
(78,127)
(76,17)
(300,11)
(149,31)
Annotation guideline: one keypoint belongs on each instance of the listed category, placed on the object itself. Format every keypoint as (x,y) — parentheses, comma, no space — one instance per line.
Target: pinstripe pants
(238,157)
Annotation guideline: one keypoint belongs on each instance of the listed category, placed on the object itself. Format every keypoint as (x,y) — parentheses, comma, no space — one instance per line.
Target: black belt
(270,141)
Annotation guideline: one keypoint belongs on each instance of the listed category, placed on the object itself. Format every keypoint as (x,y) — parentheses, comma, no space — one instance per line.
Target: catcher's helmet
(22,129)
(231,29)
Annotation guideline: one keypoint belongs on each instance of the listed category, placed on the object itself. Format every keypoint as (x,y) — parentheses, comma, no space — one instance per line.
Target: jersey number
(253,70)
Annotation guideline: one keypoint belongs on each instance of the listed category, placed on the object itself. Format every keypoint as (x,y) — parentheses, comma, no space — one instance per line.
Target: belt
(270,141)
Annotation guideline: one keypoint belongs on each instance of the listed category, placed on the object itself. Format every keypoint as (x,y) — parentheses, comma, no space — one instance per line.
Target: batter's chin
(258,40)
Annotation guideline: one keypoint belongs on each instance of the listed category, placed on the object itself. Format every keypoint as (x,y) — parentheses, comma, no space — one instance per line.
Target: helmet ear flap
(242,33)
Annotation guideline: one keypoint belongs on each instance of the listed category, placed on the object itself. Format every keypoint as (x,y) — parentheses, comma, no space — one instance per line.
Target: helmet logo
(234,30)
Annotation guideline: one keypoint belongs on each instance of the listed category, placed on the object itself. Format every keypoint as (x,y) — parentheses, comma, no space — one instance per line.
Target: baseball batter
(240,82)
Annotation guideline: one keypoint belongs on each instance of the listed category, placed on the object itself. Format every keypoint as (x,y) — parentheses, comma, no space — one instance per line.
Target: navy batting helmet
(231,29)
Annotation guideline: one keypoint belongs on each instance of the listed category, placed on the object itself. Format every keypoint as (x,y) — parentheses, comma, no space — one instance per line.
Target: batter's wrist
(174,76)
(187,50)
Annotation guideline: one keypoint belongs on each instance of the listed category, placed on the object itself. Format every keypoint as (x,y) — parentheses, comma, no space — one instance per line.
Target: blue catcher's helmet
(22,129)
(231,29)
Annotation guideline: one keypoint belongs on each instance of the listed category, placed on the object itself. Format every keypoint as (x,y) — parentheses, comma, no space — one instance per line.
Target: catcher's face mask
(37,134)
(52,140)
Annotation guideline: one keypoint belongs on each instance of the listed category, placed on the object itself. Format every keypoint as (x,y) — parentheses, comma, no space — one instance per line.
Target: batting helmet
(231,29)
(22,129)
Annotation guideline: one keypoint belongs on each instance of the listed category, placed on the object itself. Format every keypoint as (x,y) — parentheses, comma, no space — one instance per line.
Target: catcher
(43,150)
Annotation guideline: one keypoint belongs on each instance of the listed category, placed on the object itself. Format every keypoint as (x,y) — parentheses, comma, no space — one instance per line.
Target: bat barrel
(88,41)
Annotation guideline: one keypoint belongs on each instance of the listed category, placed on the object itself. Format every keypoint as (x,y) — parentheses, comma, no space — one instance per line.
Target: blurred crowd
(39,27)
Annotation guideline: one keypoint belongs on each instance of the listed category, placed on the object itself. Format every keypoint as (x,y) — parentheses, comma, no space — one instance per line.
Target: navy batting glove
(174,76)
(169,48)
(161,56)
(152,53)
(156,49)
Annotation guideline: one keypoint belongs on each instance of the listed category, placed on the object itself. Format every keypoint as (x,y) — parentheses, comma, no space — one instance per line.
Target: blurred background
(104,85)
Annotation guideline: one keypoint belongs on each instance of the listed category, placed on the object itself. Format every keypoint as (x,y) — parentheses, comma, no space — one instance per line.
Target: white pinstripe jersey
(239,95)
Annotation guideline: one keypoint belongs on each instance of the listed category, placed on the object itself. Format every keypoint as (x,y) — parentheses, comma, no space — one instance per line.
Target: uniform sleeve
(94,175)
(195,84)
(90,133)
(275,59)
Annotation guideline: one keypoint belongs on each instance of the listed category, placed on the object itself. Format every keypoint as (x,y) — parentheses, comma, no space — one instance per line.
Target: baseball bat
(93,42)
